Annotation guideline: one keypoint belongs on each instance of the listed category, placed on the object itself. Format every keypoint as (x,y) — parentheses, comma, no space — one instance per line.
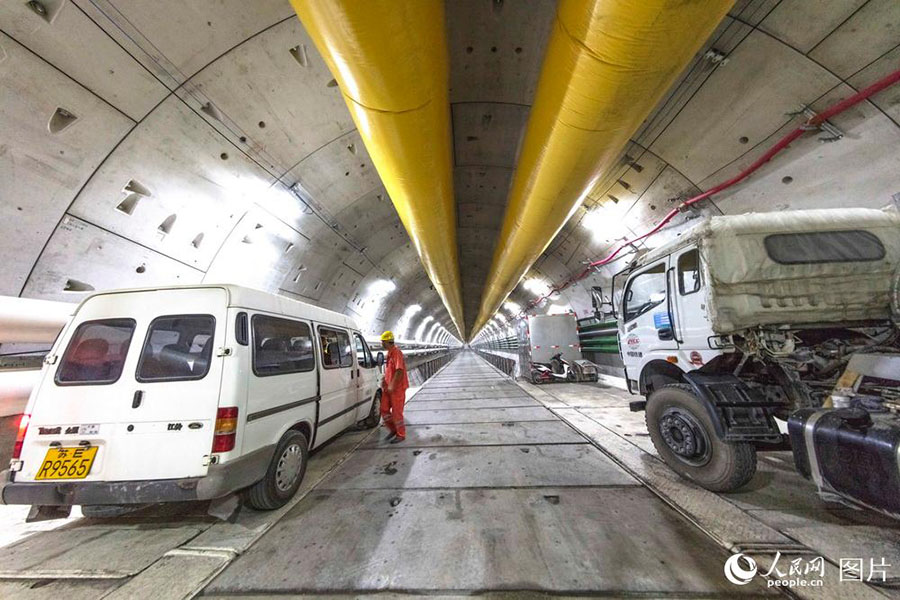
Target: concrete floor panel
(614,541)
(475,403)
(487,466)
(480,415)
(484,434)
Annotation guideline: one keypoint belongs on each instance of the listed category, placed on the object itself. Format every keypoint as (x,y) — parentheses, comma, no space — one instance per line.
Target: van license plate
(67,463)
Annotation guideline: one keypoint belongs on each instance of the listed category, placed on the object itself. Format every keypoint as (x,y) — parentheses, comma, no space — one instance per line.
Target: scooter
(559,369)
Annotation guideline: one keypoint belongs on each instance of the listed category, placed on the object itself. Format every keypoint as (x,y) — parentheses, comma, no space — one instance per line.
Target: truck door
(139,379)
(647,330)
(692,327)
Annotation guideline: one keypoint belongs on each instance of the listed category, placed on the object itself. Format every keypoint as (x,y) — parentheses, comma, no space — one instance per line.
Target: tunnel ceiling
(159,142)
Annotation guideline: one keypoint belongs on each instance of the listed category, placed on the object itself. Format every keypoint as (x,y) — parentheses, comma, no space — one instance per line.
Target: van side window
(177,348)
(689,272)
(281,346)
(363,354)
(96,353)
(335,348)
(645,291)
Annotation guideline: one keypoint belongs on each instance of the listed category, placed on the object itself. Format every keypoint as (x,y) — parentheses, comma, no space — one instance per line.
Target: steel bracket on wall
(834,134)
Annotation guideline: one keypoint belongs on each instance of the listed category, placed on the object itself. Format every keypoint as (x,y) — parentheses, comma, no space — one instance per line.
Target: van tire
(713,464)
(374,418)
(270,492)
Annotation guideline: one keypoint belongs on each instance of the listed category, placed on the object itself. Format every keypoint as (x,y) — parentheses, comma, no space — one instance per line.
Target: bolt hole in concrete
(262,124)
(224,156)
(787,179)
(553,499)
(243,139)
(743,139)
(469,49)
(141,269)
(395,501)
(332,83)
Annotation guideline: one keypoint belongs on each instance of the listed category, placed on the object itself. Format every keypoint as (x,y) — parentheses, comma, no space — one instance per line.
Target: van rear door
(139,379)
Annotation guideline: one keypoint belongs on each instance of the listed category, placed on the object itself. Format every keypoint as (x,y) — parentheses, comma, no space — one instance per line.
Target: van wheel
(683,434)
(571,377)
(284,475)
(374,417)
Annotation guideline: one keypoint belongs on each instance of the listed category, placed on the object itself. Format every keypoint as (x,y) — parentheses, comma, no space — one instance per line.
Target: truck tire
(284,475)
(683,434)
(374,418)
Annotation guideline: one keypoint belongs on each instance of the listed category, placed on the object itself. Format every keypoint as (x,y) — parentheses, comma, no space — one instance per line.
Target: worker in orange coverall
(393,389)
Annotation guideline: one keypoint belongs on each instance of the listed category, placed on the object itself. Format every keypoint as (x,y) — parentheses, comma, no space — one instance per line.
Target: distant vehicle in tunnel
(745,319)
(549,350)
(188,393)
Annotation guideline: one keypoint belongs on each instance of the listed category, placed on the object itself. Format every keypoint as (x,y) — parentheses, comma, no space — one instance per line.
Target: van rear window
(96,353)
(177,348)
(281,346)
(824,246)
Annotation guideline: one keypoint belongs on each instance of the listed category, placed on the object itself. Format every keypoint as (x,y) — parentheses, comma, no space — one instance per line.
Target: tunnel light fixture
(421,329)
(536,286)
(600,224)
(513,307)
(402,325)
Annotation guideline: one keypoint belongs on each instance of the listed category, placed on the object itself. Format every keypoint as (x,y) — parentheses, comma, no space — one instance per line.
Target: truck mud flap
(739,413)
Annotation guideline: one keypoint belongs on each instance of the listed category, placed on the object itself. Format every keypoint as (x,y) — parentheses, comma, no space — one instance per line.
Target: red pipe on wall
(810,124)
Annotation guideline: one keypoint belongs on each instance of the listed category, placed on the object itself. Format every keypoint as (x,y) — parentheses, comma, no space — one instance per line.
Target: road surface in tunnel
(491,491)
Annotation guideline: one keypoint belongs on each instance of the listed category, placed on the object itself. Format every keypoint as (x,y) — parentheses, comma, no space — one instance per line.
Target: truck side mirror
(379,359)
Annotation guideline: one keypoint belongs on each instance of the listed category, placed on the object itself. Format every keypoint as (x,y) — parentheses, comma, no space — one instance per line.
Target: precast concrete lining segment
(390,61)
(607,65)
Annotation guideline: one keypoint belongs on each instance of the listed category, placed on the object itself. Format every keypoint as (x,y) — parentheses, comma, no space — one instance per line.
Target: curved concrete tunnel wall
(161,142)
(207,146)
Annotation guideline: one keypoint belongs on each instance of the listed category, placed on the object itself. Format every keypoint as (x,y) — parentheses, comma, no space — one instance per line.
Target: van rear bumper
(219,481)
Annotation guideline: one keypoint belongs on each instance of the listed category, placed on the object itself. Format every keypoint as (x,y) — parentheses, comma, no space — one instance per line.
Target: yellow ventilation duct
(607,65)
(390,59)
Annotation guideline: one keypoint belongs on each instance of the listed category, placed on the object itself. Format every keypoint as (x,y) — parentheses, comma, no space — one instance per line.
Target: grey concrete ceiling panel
(873,30)
(854,171)
(661,197)
(803,26)
(496,48)
(80,258)
(260,252)
(747,98)
(273,92)
(76,46)
(487,134)
(336,174)
(753,11)
(175,39)
(482,185)
(188,181)
(41,171)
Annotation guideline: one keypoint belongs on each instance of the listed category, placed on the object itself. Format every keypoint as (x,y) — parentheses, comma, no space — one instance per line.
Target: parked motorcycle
(559,369)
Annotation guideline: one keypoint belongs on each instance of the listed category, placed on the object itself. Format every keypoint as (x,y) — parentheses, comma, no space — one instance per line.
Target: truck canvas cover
(796,267)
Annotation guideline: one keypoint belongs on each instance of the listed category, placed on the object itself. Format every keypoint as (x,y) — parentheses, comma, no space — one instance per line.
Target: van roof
(244,297)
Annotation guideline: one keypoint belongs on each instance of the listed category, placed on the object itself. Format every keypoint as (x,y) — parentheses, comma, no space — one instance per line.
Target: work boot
(390,437)
(397,439)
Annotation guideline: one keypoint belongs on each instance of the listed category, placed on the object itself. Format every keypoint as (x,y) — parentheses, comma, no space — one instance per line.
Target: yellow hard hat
(387,336)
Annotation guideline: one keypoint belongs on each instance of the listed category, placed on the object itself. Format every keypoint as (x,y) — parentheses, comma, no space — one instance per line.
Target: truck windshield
(645,291)
(96,353)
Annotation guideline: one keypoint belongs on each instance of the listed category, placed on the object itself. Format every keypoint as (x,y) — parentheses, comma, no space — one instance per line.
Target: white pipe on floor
(26,320)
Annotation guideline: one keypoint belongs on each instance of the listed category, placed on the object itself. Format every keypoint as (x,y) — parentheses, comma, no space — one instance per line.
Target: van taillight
(20,436)
(225,429)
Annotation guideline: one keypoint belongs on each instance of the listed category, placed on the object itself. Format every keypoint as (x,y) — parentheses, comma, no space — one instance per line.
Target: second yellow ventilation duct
(607,65)
(390,59)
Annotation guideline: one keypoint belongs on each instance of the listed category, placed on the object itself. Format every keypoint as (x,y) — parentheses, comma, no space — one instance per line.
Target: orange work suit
(392,402)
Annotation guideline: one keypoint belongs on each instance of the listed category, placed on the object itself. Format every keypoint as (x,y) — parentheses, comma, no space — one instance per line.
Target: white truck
(746,319)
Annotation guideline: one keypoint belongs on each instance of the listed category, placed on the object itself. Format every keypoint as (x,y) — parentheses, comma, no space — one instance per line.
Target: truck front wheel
(684,436)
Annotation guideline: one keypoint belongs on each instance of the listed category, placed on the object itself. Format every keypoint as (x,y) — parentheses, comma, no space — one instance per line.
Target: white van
(189,393)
